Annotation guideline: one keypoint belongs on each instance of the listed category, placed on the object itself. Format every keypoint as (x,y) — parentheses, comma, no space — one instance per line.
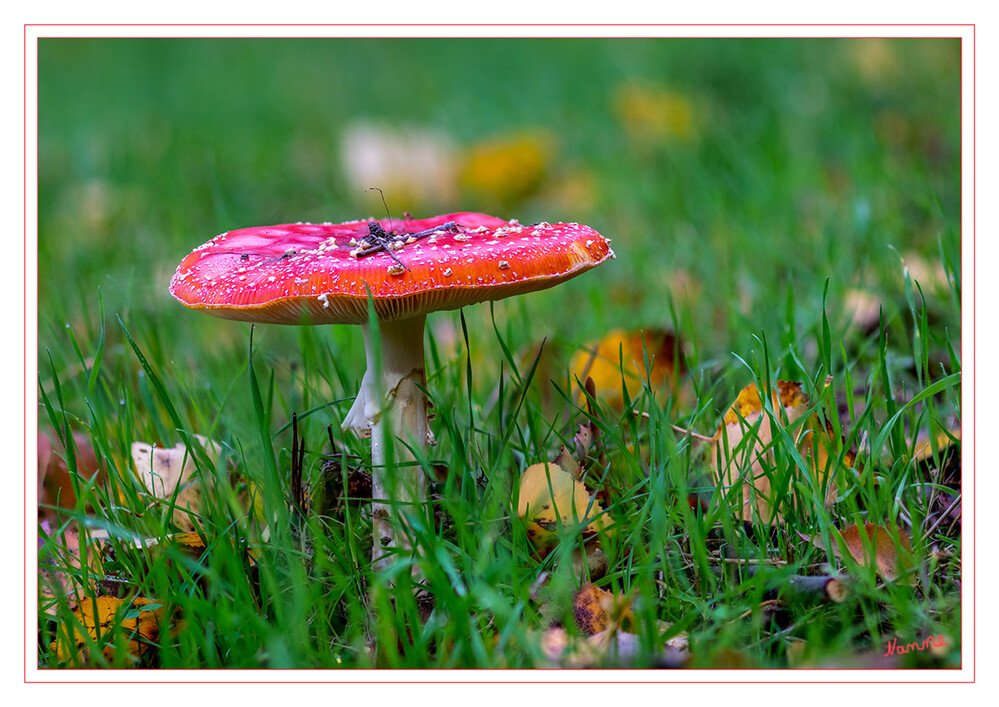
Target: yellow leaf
(943,439)
(551,499)
(622,354)
(751,460)
(99,617)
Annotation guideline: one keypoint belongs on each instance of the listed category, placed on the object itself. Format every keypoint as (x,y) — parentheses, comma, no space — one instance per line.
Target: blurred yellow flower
(574,192)
(875,59)
(653,113)
(508,169)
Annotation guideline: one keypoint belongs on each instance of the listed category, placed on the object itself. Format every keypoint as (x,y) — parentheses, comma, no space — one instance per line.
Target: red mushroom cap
(313,274)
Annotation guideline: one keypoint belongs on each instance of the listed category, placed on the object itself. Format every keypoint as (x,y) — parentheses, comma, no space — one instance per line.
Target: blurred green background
(733,176)
(755,191)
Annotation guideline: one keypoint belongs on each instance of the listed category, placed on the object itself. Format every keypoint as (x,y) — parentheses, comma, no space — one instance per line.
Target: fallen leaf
(551,499)
(109,621)
(55,485)
(596,610)
(928,272)
(942,440)
(590,562)
(888,560)
(166,471)
(574,460)
(742,450)
(619,359)
(59,568)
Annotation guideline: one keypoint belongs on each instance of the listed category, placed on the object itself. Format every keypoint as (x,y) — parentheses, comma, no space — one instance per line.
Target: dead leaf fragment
(165,470)
(653,114)
(596,610)
(942,440)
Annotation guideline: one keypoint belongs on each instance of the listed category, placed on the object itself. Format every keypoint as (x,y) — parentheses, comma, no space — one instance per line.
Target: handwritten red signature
(929,642)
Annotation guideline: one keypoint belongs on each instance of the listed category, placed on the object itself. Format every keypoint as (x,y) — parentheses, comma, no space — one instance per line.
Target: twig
(943,515)
(749,612)
(677,428)
(378,234)
(384,241)
(823,587)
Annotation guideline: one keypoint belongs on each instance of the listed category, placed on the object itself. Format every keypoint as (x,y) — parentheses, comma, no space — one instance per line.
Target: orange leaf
(596,610)
(887,558)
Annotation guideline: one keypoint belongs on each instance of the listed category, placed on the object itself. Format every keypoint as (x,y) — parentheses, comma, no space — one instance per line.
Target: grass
(757,192)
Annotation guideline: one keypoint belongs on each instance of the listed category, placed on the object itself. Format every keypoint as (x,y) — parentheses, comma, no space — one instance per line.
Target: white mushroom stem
(393,406)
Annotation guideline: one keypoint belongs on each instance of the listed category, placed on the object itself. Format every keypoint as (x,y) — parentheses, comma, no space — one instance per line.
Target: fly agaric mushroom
(325,274)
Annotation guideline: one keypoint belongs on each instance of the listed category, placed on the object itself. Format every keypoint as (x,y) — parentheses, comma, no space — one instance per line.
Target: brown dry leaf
(163,470)
(551,498)
(573,461)
(887,558)
(590,562)
(602,361)
(750,459)
(99,617)
(55,487)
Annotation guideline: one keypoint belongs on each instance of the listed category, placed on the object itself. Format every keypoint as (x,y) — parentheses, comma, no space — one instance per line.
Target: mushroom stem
(393,408)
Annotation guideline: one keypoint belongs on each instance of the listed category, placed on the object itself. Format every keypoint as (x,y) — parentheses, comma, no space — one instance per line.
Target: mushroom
(329,273)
